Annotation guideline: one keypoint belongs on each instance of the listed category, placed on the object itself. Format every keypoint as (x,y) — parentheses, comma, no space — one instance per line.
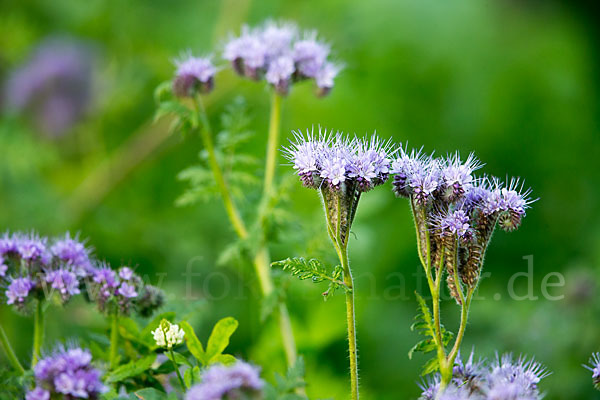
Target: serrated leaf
(424,346)
(219,338)
(173,108)
(430,366)
(193,343)
(314,270)
(131,369)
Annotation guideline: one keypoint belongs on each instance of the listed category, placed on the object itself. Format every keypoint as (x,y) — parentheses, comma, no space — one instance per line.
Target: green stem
(12,358)
(38,331)
(272,144)
(351,320)
(114,340)
(181,382)
(230,208)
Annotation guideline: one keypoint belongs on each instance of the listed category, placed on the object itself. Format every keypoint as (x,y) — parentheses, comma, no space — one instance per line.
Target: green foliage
(131,369)
(217,342)
(425,326)
(314,270)
(287,387)
(235,122)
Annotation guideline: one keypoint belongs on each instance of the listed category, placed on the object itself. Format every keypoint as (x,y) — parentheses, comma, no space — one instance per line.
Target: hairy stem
(10,354)
(114,340)
(350,317)
(38,331)
(181,382)
(206,134)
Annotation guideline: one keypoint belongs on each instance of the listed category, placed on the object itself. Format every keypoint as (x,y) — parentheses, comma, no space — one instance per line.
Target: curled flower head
(282,55)
(513,201)
(18,290)
(68,372)
(458,176)
(335,160)
(240,380)
(193,75)
(594,366)
(168,334)
(425,181)
(515,379)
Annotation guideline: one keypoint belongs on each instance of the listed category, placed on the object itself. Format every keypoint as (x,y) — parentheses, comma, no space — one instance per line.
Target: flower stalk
(10,353)
(114,340)
(38,331)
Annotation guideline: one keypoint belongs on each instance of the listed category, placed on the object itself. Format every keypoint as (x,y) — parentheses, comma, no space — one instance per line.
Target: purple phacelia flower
(64,281)
(125,273)
(370,165)
(8,244)
(127,291)
(219,382)
(193,75)
(325,77)
(74,253)
(18,290)
(38,394)
(279,73)
(310,55)
(69,372)
(32,247)
(276,52)
(513,201)
(458,176)
(403,168)
(55,85)
(594,366)
(3,267)
(425,181)
(453,224)
(518,379)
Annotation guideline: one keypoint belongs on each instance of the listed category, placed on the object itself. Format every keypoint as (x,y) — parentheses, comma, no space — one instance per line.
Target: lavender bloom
(73,253)
(194,74)
(513,204)
(68,372)
(33,248)
(241,380)
(338,160)
(275,52)
(127,291)
(38,394)
(457,176)
(8,244)
(279,73)
(18,290)
(3,267)
(425,181)
(125,273)
(594,366)
(64,281)
(453,224)
(310,55)
(55,85)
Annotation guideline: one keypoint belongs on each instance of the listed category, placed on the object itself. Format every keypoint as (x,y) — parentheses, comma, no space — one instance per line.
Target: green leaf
(148,394)
(180,359)
(193,343)
(225,359)
(173,108)
(314,270)
(131,369)
(162,91)
(191,376)
(219,338)
(430,366)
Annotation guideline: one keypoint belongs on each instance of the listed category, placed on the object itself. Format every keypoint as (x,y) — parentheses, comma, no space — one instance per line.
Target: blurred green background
(514,81)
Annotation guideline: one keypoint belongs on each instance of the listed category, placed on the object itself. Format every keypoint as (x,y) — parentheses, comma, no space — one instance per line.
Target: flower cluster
(32,266)
(168,334)
(240,381)
(121,290)
(504,379)
(594,366)
(193,75)
(68,372)
(35,268)
(456,212)
(341,168)
(282,55)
